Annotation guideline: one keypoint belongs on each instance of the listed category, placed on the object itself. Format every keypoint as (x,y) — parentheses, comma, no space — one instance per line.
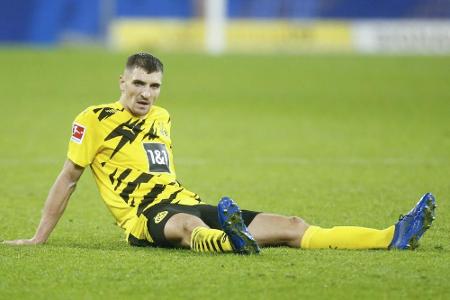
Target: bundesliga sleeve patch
(78,132)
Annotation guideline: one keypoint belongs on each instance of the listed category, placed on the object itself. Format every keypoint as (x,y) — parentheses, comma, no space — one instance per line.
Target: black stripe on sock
(206,246)
(219,243)
(211,242)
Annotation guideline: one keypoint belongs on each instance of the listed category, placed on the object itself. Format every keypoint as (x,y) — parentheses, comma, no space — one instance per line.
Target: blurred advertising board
(259,36)
(427,37)
(241,35)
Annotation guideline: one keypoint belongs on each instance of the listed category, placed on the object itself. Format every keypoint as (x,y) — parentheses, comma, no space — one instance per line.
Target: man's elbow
(72,173)
(72,185)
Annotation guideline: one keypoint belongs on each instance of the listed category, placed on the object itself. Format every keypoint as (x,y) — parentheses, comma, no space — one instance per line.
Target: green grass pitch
(335,139)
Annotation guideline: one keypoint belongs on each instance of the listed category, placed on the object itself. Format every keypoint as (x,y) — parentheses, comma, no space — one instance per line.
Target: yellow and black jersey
(131,159)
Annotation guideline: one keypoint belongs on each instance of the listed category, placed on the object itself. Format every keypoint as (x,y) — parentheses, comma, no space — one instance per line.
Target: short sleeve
(169,124)
(84,141)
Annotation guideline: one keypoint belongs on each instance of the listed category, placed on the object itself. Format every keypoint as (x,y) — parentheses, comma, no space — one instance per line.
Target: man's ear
(121,83)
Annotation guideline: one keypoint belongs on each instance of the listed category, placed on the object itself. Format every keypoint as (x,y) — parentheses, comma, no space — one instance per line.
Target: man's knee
(180,226)
(190,222)
(297,228)
(298,225)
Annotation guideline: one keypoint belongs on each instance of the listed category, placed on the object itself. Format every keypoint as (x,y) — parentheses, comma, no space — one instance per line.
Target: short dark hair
(145,61)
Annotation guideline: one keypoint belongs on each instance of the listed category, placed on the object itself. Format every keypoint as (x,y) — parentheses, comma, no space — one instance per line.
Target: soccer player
(128,147)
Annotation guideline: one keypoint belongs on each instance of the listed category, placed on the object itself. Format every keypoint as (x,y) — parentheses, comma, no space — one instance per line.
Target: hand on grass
(22,242)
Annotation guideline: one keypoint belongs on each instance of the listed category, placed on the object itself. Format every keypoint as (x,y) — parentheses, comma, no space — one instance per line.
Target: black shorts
(159,214)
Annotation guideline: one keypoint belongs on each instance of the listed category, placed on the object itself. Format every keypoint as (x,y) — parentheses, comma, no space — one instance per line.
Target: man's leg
(189,231)
(201,227)
(271,229)
(276,230)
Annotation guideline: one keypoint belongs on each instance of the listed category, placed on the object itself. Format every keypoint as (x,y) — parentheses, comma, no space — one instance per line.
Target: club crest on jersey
(78,132)
(162,130)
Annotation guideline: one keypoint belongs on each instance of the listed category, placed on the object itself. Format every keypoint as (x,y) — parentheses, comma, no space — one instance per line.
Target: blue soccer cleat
(230,219)
(410,227)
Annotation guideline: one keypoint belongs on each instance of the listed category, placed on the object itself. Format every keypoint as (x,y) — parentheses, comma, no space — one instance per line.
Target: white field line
(29,161)
(194,161)
(351,161)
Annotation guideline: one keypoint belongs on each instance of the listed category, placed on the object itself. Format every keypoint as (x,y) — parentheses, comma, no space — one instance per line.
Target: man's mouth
(141,102)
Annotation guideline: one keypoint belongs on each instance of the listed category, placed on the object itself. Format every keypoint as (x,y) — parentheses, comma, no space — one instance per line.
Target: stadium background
(289,115)
(255,26)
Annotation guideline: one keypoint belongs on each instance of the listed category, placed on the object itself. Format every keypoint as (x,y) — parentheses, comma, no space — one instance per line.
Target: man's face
(139,90)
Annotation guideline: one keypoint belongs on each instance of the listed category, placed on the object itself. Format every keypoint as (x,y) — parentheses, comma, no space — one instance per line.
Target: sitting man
(127,144)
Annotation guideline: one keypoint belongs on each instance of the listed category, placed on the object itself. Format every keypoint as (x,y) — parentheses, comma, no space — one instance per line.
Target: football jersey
(131,159)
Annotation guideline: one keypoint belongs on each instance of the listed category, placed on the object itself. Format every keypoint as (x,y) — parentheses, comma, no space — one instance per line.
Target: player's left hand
(21,242)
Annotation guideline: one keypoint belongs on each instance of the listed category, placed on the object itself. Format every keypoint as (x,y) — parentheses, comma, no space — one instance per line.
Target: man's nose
(146,93)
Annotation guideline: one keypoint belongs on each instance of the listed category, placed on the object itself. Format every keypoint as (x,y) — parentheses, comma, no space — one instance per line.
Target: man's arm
(55,204)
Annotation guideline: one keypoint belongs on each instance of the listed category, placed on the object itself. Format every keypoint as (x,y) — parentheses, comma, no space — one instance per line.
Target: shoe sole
(234,227)
(428,220)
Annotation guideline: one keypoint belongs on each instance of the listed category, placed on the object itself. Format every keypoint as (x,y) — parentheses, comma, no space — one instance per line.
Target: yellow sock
(210,240)
(347,237)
